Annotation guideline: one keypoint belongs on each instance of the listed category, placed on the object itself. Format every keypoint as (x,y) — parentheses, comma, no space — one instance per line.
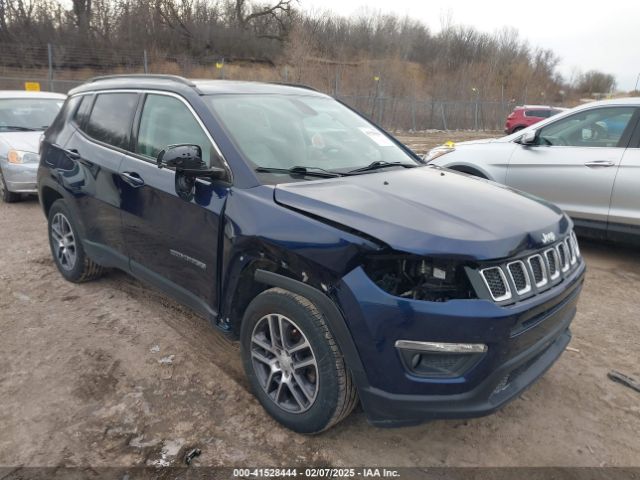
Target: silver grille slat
(563,257)
(551,257)
(537,259)
(498,287)
(572,253)
(515,269)
(576,247)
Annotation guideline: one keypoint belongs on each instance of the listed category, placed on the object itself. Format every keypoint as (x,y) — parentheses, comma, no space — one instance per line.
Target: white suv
(586,160)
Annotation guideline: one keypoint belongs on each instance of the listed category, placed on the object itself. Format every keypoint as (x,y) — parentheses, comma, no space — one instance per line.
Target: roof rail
(297,85)
(157,76)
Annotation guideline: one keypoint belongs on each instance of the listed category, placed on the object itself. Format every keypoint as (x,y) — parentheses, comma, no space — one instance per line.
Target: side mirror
(187,160)
(529,138)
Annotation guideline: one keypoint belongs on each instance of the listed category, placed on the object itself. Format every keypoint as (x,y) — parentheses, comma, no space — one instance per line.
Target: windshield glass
(24,114)
(285,131)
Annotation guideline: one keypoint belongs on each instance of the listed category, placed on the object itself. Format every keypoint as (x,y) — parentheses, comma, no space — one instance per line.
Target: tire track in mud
(207,343)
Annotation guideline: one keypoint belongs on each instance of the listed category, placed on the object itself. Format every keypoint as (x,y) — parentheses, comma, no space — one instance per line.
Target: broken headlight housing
(419,278)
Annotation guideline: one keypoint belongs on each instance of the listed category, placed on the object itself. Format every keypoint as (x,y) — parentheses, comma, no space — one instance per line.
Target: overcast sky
(585,34)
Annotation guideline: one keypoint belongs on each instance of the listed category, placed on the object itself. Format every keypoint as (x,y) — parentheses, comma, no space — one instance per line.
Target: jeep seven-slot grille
(516,279)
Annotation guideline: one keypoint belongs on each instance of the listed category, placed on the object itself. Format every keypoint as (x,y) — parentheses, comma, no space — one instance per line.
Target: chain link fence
(60,68)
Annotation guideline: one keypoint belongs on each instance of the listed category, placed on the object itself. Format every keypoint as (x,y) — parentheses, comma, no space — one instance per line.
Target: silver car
(586,160)
(23,118)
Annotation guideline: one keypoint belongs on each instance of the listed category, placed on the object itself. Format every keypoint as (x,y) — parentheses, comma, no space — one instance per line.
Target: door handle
(132,179)
(599,163)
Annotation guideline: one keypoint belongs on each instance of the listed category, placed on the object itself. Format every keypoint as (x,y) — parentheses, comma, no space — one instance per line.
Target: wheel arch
(334,318)
(48,196)
(469,170)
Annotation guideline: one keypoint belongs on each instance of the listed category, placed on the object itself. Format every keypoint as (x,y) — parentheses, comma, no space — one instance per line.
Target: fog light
(440,347)
(437,359)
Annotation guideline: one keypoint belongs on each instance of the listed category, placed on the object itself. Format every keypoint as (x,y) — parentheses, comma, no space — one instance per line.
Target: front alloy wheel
(284,363)
(293,363)
(66,246)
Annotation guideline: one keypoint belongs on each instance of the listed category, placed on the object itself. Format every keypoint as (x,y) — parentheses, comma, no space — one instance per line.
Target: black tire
(7,196)
(517,129)
(335,393)
(82,268)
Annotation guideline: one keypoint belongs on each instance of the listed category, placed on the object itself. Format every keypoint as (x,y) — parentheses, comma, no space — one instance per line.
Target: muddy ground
(111,373)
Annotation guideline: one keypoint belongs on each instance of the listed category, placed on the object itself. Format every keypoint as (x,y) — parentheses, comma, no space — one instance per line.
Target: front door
(171,243)
(574,161)
(624,213)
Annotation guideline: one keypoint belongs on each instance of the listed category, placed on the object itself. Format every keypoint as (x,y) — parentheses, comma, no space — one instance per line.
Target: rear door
(171,243)
(574,162)
(104,135)
(624,214)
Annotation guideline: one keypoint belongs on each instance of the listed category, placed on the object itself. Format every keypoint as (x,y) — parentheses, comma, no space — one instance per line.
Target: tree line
(369,54)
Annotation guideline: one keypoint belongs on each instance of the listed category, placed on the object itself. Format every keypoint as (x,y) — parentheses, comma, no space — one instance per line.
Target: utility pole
(637,80)
(477,92)
(50,55)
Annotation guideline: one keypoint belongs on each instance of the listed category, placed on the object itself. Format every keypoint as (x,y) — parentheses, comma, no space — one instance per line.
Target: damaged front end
(419,278)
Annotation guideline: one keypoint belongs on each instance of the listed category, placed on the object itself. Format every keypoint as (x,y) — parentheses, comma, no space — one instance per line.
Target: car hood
(25,141)
(429,211)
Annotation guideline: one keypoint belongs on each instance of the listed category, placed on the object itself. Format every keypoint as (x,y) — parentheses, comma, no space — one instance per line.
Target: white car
(23,118)
(586,160)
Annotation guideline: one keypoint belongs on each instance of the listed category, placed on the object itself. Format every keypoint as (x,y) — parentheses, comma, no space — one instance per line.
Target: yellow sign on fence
(32,86)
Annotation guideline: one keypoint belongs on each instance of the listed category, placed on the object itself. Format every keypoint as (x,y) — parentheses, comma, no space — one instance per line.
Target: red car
(526,115)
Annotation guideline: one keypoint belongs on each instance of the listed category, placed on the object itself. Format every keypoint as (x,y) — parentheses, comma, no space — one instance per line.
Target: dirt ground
(111,373)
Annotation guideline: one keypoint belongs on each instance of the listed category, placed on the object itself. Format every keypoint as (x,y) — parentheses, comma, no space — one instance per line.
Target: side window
(601,127)
(82,114)
(167,121)
(67,110)
(537,113)
(111,118)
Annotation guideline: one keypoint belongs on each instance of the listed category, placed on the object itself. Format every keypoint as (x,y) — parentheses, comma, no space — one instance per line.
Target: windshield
(26,114)
(285,131)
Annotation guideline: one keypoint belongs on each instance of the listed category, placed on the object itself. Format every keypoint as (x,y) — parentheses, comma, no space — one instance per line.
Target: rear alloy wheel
(63,242)
(293,363)
(66,246)
(5,194)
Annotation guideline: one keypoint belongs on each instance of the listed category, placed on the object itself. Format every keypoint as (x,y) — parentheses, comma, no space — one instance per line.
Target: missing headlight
(419,278)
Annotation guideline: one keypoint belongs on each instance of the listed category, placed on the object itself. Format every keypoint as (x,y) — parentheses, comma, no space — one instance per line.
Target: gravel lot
(111,373)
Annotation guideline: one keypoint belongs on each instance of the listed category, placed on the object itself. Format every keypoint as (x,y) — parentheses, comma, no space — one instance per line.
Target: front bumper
(516,357)
(21,178)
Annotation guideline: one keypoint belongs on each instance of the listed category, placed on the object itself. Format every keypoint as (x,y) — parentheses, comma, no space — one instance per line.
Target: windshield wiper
(19,128)
(301,170)
(378,164)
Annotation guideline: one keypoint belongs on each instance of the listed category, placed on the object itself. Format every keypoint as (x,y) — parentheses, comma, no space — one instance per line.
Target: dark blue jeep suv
(349,270)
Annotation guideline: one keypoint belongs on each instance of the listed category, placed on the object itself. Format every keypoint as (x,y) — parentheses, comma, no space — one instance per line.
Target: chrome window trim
(157,92)
(527,288)
(546,261)
(543,267)
(507,294)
